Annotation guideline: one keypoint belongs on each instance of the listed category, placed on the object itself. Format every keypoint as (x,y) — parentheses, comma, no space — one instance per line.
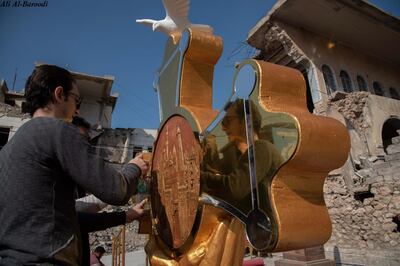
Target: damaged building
(347,52)
(116,146)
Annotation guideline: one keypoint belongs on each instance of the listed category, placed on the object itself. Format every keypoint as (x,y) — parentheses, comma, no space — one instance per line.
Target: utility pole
(15,78)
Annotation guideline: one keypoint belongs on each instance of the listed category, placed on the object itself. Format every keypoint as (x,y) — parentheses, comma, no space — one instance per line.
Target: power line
(142,101)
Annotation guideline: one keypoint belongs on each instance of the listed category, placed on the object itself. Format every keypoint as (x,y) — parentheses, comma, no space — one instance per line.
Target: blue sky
(100,37)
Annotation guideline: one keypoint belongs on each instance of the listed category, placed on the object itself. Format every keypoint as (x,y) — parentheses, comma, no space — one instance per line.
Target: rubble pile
(366,215)
(364,223)
(11,111)
(351,106)
(133,241)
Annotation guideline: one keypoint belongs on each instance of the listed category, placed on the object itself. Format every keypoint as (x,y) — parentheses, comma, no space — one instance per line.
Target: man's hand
(136,212)
(143,165)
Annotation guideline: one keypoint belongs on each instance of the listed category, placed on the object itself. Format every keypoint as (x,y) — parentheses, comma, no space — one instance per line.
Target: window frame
(330,90)
(397,96)
(358,78)
(376,85)
(347,83)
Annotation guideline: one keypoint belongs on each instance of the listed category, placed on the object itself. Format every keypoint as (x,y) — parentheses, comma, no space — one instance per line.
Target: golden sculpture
(257,166)
(188,236)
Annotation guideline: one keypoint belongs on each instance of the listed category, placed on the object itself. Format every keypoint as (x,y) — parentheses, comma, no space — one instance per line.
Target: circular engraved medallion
(176,181)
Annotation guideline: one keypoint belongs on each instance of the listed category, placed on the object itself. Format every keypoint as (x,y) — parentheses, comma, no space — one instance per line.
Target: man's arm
(91,222)
(79,162)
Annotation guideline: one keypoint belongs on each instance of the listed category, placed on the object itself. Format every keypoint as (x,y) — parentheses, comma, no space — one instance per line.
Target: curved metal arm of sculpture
(296,191)
(274,186)
(184,80)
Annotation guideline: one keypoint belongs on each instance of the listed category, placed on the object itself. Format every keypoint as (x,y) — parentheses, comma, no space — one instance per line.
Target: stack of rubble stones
(365,217)
(133,240)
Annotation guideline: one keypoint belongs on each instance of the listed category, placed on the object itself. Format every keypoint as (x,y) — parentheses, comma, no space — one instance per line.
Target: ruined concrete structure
(346,50)
(11,116)
(119,145)
(98,102)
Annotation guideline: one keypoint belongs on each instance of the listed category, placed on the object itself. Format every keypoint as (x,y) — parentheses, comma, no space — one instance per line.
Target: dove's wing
(147,22)
(177,10)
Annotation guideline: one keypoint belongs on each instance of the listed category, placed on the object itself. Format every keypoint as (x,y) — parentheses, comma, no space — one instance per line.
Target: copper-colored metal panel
(297,189)
(233,169)
(219,241)
(176,176)
(198,63)
(289,175)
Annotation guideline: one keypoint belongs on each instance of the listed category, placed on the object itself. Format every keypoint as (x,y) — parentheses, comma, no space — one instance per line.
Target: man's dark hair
(238,106)
(81,122)
(100,250)
(40,86)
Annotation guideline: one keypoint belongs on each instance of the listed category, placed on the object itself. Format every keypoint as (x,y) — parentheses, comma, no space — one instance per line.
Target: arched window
(329,79)
(394,94)
(362,85)
(377,88)
(346,81)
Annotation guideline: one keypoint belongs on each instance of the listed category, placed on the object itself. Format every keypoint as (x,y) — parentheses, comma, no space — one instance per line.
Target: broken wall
(121,144)
(365,211)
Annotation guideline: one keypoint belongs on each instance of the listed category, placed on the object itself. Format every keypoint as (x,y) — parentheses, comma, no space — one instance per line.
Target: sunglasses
(78,99)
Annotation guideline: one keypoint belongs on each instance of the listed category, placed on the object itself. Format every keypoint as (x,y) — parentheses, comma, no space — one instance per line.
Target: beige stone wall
(379,110)
(340,57)
(95,113)
(366,114)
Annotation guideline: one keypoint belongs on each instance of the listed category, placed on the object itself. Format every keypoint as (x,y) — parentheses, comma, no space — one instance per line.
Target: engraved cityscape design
(178,177)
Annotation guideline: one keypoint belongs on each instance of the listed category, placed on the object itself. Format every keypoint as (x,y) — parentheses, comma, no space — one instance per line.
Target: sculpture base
(314,256)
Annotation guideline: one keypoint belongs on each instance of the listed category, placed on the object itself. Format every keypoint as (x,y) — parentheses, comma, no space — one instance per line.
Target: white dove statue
(176,19)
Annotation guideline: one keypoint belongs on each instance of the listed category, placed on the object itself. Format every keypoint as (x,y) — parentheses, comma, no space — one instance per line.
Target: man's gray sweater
(39,169)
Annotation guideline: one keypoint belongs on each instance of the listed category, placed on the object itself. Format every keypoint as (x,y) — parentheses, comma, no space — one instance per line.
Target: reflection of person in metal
(228,178)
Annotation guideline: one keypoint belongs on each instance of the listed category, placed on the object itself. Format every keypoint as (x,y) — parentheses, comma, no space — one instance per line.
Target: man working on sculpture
(228,178)
(40,168)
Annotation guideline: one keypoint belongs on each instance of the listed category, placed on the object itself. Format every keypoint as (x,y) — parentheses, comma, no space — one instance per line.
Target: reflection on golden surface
(225,167)
(290,151)
(219,241)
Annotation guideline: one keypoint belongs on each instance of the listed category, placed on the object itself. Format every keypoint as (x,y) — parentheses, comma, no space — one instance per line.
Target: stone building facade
(346,52)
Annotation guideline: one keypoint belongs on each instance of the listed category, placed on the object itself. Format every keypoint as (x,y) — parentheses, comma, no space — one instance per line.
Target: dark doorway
(389,131)
(310,104)
(4,133)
